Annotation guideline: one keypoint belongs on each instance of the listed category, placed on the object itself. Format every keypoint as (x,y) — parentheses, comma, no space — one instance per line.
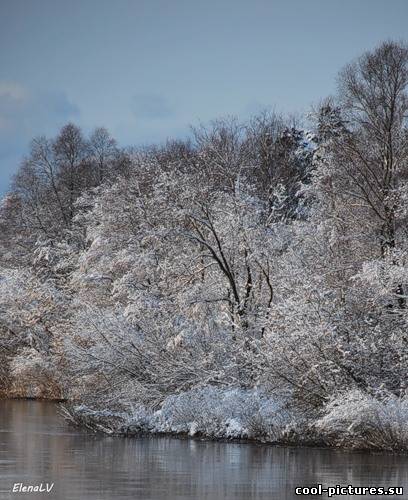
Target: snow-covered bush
(29,312)
(208,412)
(33,375)
(225,413)
(358,420)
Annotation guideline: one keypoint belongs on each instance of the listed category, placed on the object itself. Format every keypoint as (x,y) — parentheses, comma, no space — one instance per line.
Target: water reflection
(36,446)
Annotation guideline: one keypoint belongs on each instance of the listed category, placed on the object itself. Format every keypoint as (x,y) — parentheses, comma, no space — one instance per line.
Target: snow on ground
(212,412)
(353,419)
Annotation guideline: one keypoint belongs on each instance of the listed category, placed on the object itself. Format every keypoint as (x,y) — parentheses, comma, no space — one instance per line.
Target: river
(37,446)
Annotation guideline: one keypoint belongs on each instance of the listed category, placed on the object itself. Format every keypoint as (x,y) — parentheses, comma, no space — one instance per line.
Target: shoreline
(104,427)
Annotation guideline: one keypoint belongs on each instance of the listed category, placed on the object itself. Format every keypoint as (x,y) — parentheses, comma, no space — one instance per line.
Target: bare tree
(375,105)
(71,152)
(371,152)
(222,152)
(103,152)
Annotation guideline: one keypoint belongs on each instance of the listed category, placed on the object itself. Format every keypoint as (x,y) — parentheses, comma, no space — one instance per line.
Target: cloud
(151,106)
(13,91)
(24,114)
(32,113)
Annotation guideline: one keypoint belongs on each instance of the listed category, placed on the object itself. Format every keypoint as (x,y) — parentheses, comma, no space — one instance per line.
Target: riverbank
(354,421)
(222,423)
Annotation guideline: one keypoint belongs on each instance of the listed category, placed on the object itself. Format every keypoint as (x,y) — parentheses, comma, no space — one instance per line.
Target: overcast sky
(146,69)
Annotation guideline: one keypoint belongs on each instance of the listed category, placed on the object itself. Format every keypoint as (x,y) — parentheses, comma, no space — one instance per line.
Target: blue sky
(147,69)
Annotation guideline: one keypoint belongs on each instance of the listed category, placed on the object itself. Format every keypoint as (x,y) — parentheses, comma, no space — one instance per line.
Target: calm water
(36,446)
